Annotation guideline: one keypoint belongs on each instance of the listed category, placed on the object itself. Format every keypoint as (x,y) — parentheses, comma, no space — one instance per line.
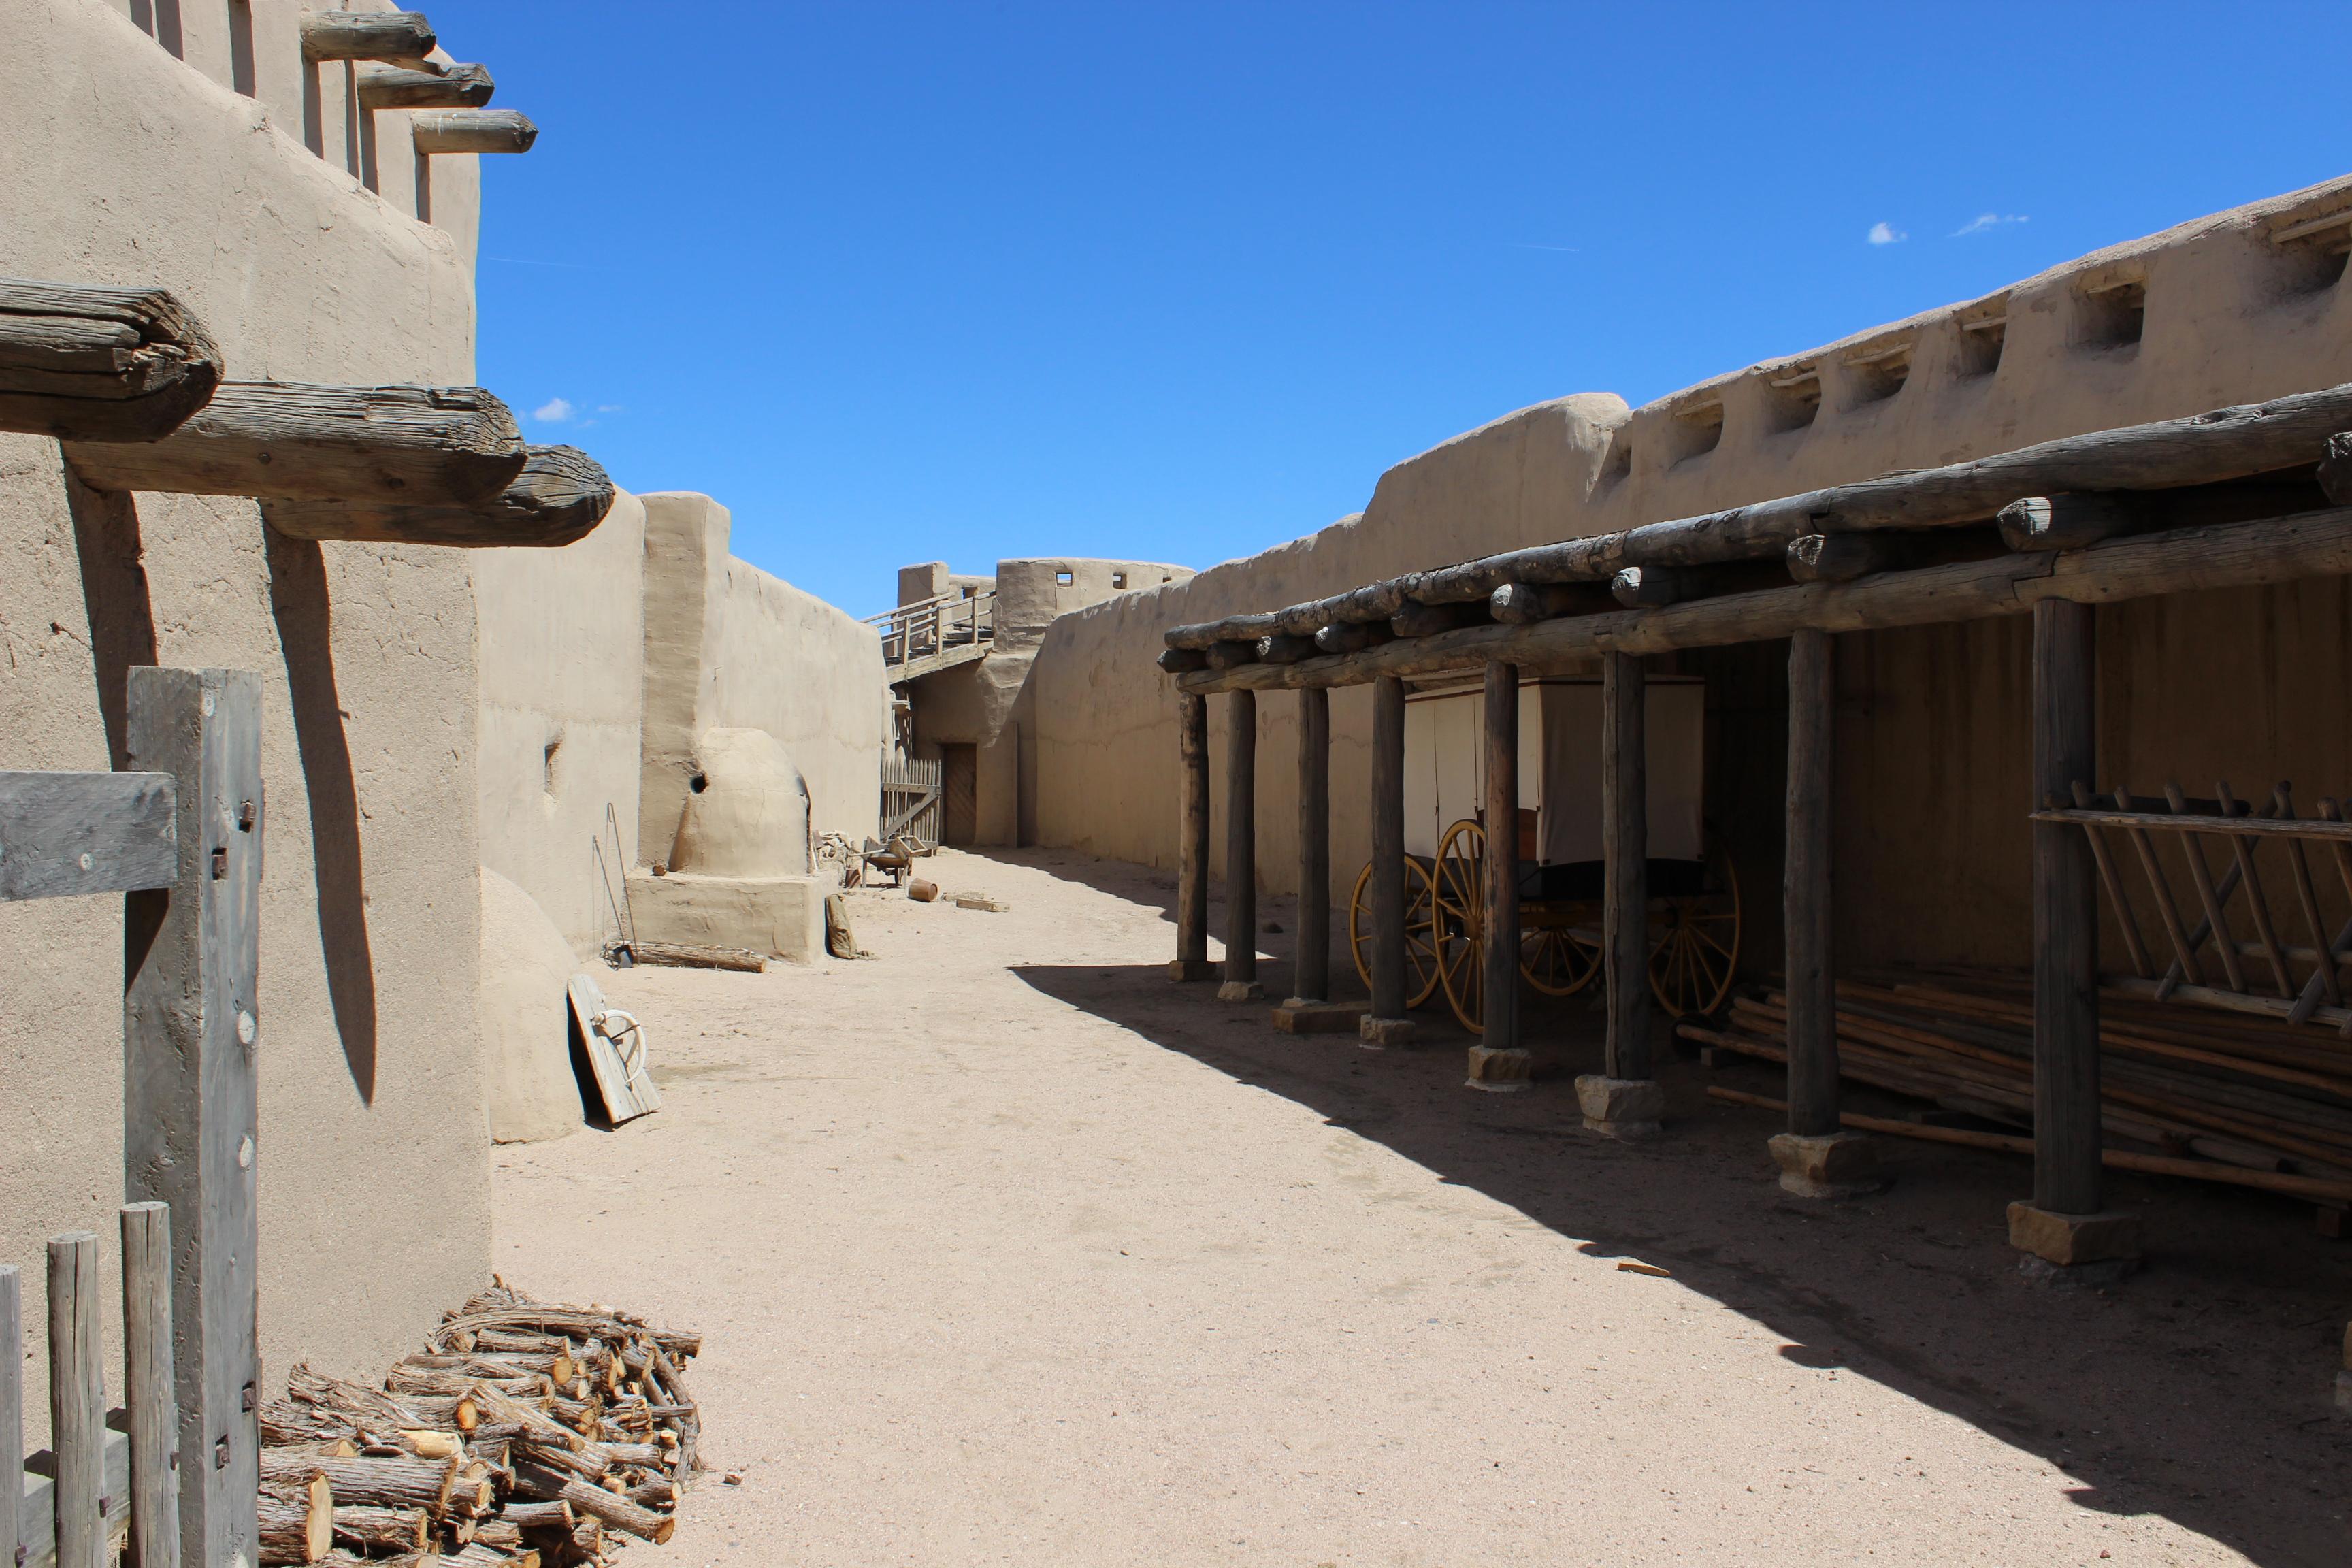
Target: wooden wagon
(1693,909)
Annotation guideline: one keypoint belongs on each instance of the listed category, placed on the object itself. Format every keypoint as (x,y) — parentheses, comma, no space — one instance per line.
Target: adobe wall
(729,646)
(120,164)
(1932,742)
(561,716)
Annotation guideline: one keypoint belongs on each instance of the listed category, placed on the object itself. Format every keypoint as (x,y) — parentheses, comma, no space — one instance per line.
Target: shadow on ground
(2200,1389)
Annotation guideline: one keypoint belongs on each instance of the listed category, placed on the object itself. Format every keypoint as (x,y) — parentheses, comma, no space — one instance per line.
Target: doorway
(959,781)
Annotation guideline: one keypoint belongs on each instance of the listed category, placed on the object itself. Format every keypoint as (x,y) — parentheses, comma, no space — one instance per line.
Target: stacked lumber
(2220,1096)
(525,1432)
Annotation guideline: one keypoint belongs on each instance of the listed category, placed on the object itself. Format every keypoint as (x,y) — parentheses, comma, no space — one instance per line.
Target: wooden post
(2063,1225)
(1241,850)
(11,1414)
(1623,1100)
(100,364)
(191,1027)
(1805,890)
(1386,1024)
(1817,1156)
(1625,842)
(1496,1061)
(147,1373)
(77,1400)
(1312,979)
(1192,961)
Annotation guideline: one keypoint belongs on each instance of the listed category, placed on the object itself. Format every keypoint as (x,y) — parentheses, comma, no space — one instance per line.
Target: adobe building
(960,650)
(452,734)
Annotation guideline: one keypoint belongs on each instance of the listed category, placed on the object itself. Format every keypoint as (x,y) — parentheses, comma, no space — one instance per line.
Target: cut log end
(366,36)
(457,86)
(560,498)
(100,364)
(474,131)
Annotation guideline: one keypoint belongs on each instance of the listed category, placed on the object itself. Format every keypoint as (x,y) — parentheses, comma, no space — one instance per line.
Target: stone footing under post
(1305,1015)
(1498,1072)
(2073,1249)
(1193,969)
(1834,1165)
(1627,1109)
(1241,991)
(1383,1034)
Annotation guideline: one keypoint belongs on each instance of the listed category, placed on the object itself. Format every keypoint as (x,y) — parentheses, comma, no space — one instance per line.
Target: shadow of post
(298,599)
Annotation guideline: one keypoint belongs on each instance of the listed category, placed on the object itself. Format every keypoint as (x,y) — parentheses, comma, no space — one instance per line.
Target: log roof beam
(2214,555)
(2226,444)
(100,364)
(407,445)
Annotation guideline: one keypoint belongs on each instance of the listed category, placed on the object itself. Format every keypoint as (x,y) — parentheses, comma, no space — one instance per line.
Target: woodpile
(525,1433)
(2215,1096)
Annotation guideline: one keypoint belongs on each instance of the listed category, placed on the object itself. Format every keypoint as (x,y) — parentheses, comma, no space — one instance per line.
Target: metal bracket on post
(191,1029)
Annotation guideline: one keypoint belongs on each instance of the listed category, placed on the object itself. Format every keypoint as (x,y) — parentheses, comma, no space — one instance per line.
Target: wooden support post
(191,1027)
(1623,1100)
(1241,850)
(1497,1062)
(1192,961)
(1312,979)
(1805,895)
(1386,1024)
(100,364)
(147,1374)
(77,1400)
(1818,1158)
(2061,1226)
(12,1415)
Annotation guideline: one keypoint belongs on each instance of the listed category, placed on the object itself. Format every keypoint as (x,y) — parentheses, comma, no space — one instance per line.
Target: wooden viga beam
(397,87)
(409,446)
(100,364)
(474,131)
(562,494)
(2220,555)
(403,35)
(2206,448)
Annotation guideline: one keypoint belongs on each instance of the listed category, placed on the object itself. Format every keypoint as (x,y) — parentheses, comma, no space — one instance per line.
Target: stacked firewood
(2253,1102)
(524,1433)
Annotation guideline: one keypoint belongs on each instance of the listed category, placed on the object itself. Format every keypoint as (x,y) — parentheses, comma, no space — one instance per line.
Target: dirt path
(1009,1251)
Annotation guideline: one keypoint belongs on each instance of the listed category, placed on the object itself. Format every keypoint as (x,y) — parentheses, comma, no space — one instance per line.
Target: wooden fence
(182,839)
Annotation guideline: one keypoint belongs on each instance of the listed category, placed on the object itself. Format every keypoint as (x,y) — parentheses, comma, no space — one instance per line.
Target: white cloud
(554,411)
(1984,221)
(1887,234)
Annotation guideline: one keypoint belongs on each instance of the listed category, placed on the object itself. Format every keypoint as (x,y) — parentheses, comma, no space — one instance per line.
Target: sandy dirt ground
(1009,1251)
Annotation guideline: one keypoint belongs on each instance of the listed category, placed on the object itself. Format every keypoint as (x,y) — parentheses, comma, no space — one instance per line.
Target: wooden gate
(911,798)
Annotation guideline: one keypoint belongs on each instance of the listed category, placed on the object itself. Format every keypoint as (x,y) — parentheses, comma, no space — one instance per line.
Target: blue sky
(900,283)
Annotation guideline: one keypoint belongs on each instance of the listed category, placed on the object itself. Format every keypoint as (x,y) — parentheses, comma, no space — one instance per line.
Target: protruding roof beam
(410,445)
(454,87)
(474,131)
(100,364)
(561,495)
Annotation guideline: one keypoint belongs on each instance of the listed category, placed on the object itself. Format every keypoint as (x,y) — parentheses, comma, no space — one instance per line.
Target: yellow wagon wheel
(1695,938)
(1420,957)
(1560,954)
(1459,932)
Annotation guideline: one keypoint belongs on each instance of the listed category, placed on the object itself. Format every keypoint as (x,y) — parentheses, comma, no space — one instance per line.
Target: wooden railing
(934,625)
(2212,961)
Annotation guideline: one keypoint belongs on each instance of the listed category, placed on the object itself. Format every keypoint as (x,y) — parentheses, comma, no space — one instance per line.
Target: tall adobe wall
(121,164)
(2234,308)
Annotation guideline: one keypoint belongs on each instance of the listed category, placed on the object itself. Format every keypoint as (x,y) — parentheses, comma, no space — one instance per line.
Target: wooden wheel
(1557,956)
(1695,938)
(1420,957)
(1459,931)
